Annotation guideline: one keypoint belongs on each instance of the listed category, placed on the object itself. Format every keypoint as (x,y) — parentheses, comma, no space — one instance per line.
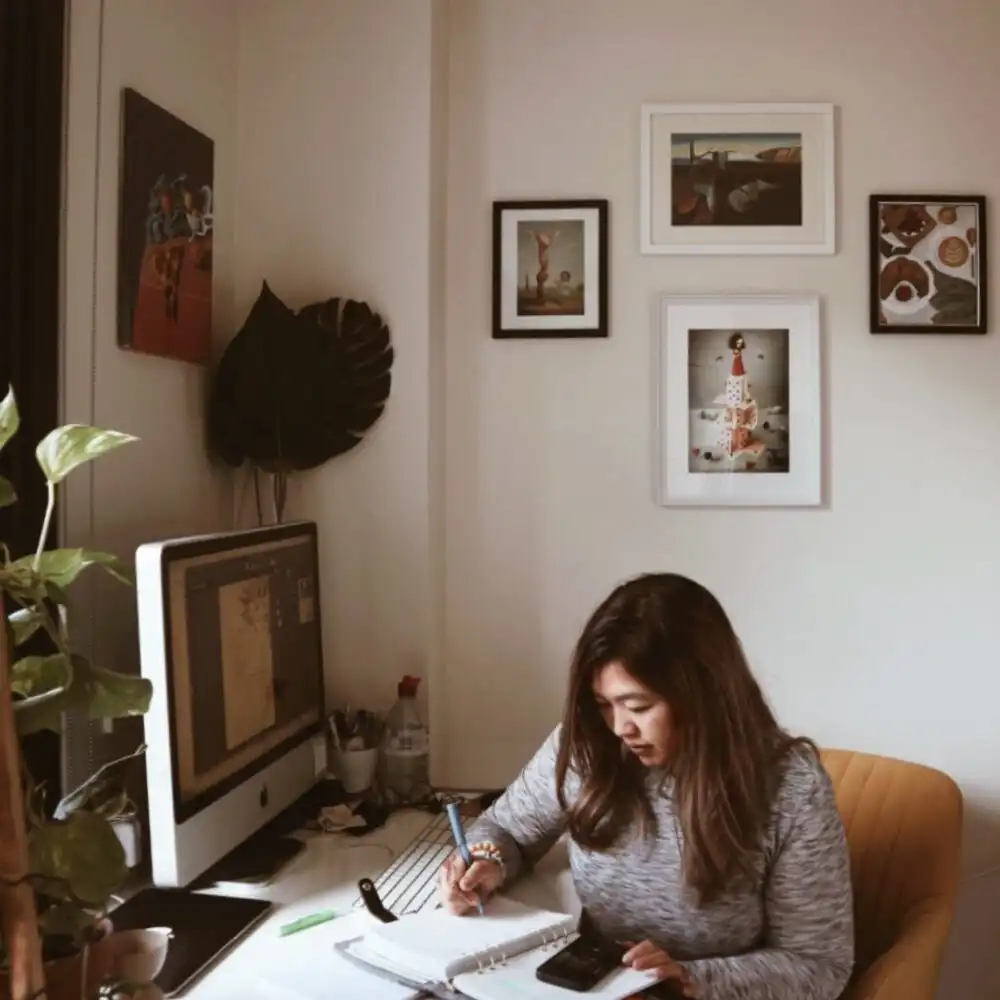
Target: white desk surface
(304,966)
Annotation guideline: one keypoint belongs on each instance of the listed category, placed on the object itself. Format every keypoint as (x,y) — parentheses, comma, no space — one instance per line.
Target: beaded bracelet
(486,850)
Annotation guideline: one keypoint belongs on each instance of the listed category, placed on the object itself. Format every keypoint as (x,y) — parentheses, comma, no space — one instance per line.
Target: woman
(698,830)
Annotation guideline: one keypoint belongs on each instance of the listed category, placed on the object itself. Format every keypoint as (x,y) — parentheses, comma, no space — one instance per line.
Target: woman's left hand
(648,957)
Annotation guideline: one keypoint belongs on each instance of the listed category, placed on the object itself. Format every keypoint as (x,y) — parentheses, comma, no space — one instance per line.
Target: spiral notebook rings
(555,942)
(493,958)
(490,961)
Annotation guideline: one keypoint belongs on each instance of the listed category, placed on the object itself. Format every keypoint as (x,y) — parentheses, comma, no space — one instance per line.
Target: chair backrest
(904,828)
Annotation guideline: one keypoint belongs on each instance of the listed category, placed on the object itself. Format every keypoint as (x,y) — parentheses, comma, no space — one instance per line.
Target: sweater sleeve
(807,948)
(527,819)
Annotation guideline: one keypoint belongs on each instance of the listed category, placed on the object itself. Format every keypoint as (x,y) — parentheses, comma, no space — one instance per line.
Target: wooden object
(17,902)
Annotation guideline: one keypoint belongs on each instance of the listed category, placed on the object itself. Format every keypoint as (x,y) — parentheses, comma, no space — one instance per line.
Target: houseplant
(295,389)
(58,867)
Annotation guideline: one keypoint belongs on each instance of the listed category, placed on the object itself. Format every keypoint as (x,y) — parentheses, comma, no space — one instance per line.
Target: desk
(304,966)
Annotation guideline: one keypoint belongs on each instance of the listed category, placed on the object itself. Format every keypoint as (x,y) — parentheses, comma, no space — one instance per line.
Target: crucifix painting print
(550,269)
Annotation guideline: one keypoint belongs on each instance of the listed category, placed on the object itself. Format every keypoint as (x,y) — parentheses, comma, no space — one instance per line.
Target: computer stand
(259,859)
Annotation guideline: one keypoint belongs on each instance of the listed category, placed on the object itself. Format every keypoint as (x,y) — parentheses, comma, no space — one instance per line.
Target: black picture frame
(529,326)
(920,273)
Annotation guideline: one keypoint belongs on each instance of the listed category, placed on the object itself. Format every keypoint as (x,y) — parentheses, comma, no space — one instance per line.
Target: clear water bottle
(406,749)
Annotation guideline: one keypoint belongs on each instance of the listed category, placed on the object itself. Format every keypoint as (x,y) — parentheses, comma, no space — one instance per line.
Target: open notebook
(488,957)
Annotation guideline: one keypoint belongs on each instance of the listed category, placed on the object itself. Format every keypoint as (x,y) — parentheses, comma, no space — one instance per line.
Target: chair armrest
(909,970)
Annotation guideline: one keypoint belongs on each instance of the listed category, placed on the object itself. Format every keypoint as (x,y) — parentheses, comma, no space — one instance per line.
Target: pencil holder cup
(356,769)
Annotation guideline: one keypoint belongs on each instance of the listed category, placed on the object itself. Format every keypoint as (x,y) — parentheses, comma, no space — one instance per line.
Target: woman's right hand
(461,888)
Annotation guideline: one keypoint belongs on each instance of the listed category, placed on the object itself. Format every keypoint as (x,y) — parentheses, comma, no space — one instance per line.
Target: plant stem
(44,534)
(18,911)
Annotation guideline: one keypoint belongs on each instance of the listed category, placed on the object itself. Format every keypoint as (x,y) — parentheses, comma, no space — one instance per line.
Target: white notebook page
(439,945)
(515,980)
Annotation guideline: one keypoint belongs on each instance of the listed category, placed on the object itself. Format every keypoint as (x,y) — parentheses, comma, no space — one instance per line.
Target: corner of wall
(437,429)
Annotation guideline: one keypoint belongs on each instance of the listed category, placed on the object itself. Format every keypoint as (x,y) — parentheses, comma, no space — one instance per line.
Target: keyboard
(409,884)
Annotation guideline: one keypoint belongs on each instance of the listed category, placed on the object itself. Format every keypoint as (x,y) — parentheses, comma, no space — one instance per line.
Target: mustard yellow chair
(904,827)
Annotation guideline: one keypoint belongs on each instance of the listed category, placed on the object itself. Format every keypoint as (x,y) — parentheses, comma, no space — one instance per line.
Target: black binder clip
(373,902)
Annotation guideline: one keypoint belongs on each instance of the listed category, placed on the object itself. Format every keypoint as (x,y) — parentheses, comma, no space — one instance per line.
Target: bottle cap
(407,687)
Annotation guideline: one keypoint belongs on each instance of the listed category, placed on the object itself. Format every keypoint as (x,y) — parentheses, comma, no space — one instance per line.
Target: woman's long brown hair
(674,637)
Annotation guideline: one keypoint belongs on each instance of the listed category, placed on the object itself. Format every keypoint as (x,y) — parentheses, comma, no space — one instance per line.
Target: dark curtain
(31,152)
(31,139)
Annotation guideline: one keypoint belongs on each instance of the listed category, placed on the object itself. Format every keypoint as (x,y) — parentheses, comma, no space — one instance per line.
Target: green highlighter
(303,923)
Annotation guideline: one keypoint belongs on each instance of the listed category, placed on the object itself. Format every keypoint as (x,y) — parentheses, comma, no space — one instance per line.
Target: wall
(870,622)
(182,55)
(340,166)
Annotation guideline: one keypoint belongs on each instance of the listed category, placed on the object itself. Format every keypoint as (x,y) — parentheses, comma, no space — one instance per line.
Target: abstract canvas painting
(166,224)
(927,264)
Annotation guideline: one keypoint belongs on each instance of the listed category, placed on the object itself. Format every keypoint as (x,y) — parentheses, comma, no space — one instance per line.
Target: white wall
(508,485)
(870,622)
(340,150)
(182,55)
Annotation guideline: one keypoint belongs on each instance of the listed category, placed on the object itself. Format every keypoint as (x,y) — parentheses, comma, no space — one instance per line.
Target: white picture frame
(780,457)
(795,146)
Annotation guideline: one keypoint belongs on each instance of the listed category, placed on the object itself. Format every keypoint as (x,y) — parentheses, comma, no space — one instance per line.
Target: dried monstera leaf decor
(295,389)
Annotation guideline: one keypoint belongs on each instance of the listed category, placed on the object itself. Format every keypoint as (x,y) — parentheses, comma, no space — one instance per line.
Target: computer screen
(243,657)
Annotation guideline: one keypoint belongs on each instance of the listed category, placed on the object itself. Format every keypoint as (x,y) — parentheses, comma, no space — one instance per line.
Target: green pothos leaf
(60,567)
(18,579)
(52,685)
(24,622)
(83,852)
(104,791)
(8,494)
(36,675)
(10,419)
(116,696)
(44,689)
(65,448)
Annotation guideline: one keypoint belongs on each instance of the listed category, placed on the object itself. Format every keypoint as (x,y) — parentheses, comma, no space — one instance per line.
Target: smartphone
(581,965)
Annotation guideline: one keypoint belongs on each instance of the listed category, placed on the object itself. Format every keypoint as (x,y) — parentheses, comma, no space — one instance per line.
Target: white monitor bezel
(187,839)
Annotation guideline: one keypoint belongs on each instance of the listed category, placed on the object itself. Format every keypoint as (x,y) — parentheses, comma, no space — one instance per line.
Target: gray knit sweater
(787,936)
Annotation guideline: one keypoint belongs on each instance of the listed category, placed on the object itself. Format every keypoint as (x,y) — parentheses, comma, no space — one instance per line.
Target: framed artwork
(927,263)
(550,269)
(737,179)
(738,403)
(165,225)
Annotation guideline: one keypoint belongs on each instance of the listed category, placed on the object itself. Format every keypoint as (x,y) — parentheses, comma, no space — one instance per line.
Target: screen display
(245,658)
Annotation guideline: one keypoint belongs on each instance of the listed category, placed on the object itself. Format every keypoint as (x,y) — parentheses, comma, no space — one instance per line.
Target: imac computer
(229,635)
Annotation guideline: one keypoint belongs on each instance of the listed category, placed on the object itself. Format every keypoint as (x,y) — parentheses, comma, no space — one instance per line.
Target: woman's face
(641,719)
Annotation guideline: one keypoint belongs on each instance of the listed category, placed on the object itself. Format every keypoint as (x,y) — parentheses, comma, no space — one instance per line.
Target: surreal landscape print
(738,400)
(736,179)
(927,260)
(550,259)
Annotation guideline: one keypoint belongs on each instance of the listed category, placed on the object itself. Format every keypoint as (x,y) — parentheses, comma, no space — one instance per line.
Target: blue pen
(458,832)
